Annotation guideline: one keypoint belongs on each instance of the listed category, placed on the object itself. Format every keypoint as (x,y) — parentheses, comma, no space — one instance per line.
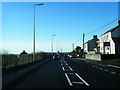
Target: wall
(93,56)
(9,61)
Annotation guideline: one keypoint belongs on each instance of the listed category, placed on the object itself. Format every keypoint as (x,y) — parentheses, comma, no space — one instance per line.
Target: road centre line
(70,68)
(63,68)
(82,79)
(100,68)
(106,70)
(70,83)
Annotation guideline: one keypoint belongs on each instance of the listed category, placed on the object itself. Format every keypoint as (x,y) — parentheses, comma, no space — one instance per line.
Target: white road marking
(70,83)
(70,73)
(71,69)
(93,66)
(78,82)
(61,64)
(66,64)
(113,72)
(96,67)
(82,79)
(113,66)
(100,68)
(106,70)
(63,68)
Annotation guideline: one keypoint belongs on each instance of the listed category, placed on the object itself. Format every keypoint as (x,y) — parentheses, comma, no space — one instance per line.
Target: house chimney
(94,36)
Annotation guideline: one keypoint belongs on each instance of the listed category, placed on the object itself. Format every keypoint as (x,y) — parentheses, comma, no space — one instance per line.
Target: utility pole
(83,45)
(73,46)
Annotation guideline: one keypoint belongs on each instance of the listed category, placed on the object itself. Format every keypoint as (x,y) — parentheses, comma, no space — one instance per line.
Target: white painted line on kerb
(63,68)
(82,79)
(71,69)
(70,83)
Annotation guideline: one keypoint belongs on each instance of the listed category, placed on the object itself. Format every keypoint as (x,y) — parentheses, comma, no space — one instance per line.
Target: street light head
(39,4)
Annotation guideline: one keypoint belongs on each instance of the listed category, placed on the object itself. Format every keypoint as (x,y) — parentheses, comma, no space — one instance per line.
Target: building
(110,41)
(90,45)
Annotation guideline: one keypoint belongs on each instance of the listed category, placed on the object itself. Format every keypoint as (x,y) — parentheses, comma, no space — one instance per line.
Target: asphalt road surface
(71,73)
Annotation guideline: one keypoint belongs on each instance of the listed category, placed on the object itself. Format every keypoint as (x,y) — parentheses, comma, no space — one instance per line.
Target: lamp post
(52,45)
(34,30)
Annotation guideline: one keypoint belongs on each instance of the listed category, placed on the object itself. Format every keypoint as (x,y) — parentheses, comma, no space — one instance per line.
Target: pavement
(10,77)
(108,62)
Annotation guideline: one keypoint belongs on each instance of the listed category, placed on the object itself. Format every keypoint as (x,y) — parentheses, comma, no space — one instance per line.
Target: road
(71,73)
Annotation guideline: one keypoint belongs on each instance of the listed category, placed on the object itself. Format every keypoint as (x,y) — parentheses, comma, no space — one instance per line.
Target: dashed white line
(70,83)
(114,66)
(63,68)
(96,67)
(71,69)
(100,68)
(113,72)
(106,70)
(82,79)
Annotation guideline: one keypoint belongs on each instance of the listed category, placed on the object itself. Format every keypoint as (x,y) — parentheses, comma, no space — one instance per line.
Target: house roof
(111,30)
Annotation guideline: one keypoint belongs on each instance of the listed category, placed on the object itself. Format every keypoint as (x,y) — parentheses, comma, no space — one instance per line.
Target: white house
(90,45)
(110,41)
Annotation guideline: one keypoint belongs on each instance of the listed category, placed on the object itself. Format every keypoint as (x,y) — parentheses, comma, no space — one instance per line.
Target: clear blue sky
(67,20)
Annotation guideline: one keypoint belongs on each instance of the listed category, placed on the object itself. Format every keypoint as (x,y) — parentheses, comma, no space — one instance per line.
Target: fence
(9,61)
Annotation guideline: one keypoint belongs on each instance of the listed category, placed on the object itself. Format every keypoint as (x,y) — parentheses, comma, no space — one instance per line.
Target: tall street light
(52,44)
(34,31)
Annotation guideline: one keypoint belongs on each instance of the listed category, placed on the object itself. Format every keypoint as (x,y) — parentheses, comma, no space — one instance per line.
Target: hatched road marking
(70,83)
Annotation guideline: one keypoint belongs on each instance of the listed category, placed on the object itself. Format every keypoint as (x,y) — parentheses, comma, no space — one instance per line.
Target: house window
(107,48)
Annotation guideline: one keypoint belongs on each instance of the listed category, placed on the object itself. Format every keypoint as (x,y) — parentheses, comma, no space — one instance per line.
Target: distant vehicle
(56,57)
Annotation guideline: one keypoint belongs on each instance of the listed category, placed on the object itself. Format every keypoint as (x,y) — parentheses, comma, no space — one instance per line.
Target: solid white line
(82,79)
(70,83)
(70,68)
(114,66)
(63,68)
